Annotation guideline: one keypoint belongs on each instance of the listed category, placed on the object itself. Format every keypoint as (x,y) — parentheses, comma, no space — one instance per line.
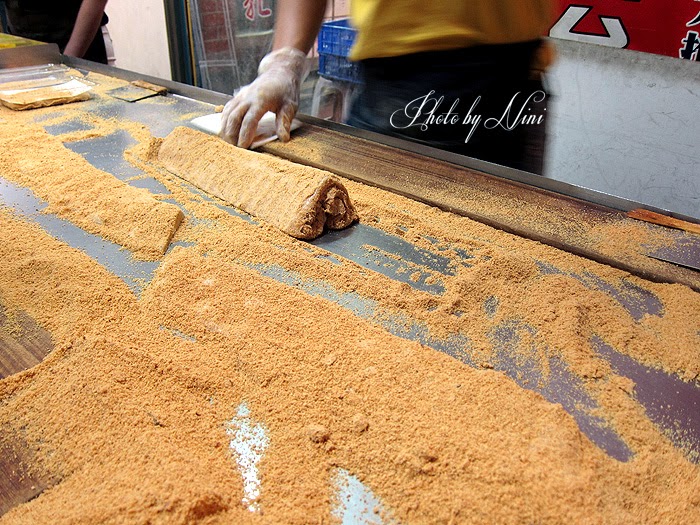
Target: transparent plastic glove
(276,89)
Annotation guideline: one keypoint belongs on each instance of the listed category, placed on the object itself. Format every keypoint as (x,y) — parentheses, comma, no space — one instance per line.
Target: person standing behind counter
(477,64)
(72,24)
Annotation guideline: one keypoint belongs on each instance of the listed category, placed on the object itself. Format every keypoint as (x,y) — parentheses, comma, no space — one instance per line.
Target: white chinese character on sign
(694,22)
(565,28)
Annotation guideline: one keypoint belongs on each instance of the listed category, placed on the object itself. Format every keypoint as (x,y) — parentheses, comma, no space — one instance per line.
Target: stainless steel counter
(670,403)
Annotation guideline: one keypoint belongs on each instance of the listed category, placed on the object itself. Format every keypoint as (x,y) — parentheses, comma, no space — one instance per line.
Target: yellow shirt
(398,27)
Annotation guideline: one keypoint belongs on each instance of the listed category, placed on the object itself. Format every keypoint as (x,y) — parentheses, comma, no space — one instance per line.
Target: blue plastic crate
(336,38)
(338,68)
(334,42)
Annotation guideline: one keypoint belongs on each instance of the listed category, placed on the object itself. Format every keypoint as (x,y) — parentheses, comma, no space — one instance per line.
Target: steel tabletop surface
(672,404)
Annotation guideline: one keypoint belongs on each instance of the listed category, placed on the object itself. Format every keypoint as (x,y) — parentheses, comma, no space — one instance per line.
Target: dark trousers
(482,102)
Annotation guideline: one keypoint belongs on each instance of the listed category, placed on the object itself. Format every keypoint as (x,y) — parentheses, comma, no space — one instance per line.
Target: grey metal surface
(365,245)
(34,55)
(389,255)
(667,400)
(113,257)
(670,403)
(195,93)
(626,123)
(685,252)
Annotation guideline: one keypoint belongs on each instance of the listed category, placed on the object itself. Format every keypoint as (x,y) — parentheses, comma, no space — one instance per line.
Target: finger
(226,116)
(249,126)
(283,122)
(231,122)
(233,113)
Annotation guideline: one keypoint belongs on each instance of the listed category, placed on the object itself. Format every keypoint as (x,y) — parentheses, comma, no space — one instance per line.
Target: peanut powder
(127,416)
(93,199)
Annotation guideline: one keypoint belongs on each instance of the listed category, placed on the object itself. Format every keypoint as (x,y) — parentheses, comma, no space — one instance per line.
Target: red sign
(664,27)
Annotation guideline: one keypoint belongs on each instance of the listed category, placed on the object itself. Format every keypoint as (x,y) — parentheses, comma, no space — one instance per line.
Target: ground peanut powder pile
(91,198)
(128,412)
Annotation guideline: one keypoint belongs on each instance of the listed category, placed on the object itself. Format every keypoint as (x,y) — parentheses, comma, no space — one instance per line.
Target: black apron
(51,21)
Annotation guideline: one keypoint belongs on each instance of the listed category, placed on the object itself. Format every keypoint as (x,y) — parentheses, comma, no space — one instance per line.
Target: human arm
(280,75)
(298,22)
(85,28)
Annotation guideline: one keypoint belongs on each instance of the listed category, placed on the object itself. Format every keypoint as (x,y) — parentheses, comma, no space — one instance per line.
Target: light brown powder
(94,200)
(444,441)
(131,417)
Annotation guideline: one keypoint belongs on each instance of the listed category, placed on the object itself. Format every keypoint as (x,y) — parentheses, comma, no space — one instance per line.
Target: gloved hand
(276,89)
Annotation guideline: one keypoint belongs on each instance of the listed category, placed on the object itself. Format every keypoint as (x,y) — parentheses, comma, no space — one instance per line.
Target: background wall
(138,32)
(625,123)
